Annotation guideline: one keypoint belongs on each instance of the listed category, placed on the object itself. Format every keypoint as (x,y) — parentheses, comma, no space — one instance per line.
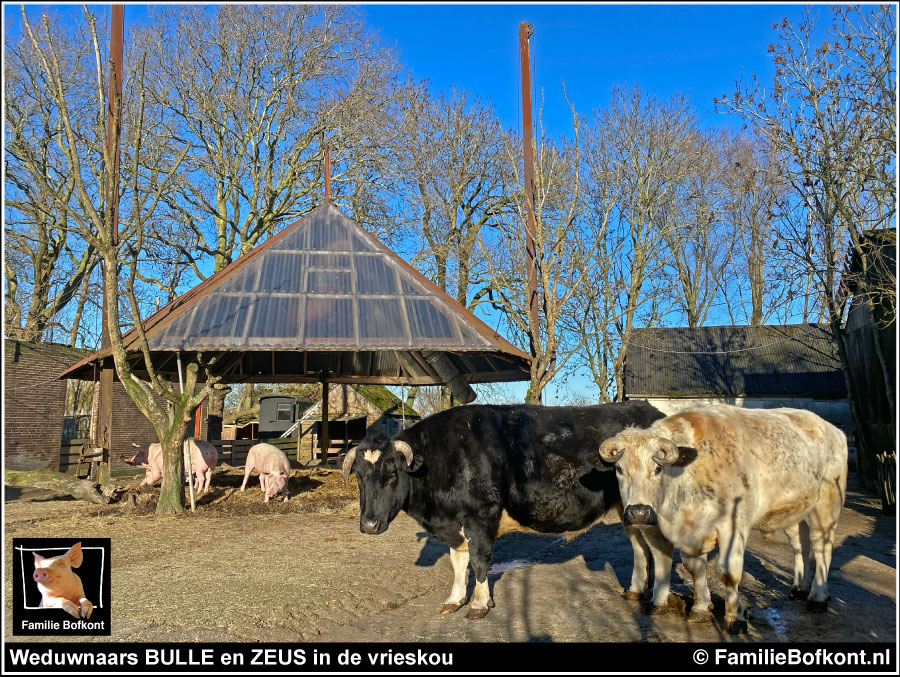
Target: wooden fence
(234,452)
(68,454)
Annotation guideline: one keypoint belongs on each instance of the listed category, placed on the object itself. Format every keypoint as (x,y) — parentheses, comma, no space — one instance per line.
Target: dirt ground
(241,570)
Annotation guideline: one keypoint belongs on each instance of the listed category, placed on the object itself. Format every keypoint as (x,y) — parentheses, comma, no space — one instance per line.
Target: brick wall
(34,402)
(34,405)
(129,426)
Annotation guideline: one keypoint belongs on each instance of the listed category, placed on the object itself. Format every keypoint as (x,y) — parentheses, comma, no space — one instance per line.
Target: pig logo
(59,585)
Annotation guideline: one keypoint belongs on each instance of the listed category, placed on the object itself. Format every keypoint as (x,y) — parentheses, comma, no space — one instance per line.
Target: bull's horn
(405,449)
(609,452)
(349,460)
(669,452)
(136,446)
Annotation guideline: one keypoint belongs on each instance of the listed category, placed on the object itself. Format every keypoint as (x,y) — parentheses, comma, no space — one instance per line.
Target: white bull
(707,476)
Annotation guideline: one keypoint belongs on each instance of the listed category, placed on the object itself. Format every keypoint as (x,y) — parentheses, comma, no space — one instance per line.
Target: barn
(758,367)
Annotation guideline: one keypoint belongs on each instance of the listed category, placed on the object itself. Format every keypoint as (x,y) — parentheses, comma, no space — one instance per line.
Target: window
(285,412)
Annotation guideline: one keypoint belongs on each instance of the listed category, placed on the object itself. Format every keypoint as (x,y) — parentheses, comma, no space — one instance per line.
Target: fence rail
(234,452)
(69,451)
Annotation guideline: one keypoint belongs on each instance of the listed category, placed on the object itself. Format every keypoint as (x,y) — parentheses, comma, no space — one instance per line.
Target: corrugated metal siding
(734,361)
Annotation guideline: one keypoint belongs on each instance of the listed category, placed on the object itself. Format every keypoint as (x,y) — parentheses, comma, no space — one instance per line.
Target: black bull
(471,473)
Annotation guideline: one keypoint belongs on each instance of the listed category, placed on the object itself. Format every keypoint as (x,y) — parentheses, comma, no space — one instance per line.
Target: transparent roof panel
(322,283)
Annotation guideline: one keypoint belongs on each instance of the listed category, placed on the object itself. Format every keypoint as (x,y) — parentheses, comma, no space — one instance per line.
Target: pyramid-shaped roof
(326,285)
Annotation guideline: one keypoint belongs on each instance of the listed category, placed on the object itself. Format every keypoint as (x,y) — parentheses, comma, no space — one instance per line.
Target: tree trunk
(215,410)
(171,493)
(79,312)
(84,490)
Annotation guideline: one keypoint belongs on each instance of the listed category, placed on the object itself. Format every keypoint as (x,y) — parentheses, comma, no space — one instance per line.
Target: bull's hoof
(736,627)
(699,615)
(797,593)
(674,605)
(474,614)
(816,607)
(452,607)
(631,595)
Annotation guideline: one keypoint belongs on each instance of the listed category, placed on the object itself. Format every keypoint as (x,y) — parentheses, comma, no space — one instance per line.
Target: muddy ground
(241,570)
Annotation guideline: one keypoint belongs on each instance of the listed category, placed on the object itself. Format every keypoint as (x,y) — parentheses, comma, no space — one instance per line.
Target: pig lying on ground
(274,469)
(204,458)
(60,586)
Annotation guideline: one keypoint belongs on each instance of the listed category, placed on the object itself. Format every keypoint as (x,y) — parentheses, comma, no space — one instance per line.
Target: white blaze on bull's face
(381,467)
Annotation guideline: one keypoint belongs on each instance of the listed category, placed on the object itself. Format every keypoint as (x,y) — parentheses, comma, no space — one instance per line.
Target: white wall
(834,411)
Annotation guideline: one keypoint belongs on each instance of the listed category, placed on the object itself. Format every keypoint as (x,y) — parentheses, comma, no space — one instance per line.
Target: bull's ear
(349,460)
(413,461)
(686,456)
(75,556)
(417,463)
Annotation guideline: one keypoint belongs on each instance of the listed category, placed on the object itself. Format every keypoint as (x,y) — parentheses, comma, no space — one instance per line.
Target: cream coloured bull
(707,476)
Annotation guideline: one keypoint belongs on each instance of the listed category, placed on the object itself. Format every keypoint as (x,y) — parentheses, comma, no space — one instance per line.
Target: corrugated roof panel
(329,317)
(428,321)
(275,317)
(282,273)
(379,320)
(374,275)
(734,361)
(326,288)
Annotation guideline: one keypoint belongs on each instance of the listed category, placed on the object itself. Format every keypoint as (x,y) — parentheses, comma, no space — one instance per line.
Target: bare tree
(762,279)
(637,159)
(255,91)
(451,164)
(830,117)
(47,262)
(694,228)
(563,248)
(95,222)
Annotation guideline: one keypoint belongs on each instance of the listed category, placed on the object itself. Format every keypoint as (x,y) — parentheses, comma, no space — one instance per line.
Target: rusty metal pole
(525,32)
(113,133)
(327,172)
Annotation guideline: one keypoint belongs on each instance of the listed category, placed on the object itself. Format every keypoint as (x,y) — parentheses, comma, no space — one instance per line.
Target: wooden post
(525,31)
(324,442)
(113,130)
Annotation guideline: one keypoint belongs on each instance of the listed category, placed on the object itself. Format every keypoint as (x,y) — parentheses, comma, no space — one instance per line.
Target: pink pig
(204,458)
(60,586)
(274,469)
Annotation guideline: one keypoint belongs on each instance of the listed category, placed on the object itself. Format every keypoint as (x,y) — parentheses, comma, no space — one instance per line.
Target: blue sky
(696,49)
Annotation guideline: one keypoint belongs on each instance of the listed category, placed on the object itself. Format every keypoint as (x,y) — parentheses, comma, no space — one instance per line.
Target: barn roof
(324,297)
(734,361)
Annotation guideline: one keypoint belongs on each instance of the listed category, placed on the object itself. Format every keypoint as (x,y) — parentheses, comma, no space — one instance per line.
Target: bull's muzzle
(369,526)
(639,515)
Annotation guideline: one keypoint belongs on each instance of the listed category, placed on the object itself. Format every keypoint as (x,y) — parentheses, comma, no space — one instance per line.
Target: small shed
(758,367)
(354,411)
(278,413)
